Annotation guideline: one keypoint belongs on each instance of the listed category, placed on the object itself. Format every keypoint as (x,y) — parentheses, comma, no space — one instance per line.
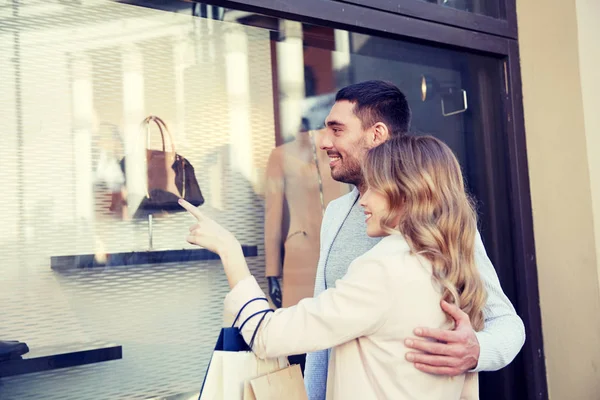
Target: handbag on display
(170,176)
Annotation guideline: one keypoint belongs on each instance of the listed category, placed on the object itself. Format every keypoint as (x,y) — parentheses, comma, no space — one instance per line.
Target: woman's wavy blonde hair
(422,180)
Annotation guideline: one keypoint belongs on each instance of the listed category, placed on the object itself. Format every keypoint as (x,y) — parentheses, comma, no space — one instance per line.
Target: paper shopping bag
(248,392)
(243,366)
(212,388)
(229,370)
(286,384)
(232,364)
(229,340)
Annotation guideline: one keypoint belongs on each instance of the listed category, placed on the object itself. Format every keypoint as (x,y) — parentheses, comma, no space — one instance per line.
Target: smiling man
(361,113)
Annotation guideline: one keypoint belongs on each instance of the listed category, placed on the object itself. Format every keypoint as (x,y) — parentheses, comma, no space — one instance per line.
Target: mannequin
(298,189)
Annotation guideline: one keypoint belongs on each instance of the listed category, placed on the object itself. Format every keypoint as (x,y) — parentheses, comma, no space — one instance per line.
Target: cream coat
(386,293)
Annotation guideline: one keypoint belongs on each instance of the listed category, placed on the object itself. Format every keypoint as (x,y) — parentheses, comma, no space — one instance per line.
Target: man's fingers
(436,361)
(441,335)
(455,312)
(449,371)
(192,210)
(432,347)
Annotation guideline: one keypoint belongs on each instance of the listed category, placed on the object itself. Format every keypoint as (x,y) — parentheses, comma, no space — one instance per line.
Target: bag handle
(162,127)
(266,310)
(244,306)
(251,344)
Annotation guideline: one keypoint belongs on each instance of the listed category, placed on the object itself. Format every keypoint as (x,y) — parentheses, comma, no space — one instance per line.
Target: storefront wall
(559,64)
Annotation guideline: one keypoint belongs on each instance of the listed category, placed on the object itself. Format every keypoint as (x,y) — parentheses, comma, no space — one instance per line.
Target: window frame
(449,16)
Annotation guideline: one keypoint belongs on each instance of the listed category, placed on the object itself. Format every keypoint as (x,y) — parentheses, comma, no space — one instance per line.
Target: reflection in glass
(298,189)
(453,100)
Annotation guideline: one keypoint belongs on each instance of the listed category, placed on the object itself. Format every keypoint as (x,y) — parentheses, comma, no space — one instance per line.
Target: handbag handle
(264,312)
(162,127)
(251,344)
(244,306)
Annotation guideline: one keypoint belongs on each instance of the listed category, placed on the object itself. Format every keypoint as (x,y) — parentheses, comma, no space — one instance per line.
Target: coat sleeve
(356,307)
(503,334)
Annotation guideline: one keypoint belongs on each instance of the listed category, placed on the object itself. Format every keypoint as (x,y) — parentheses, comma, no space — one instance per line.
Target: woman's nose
(363,199)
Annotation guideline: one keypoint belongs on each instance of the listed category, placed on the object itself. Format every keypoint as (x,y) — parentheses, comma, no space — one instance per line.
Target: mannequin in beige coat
(298,189)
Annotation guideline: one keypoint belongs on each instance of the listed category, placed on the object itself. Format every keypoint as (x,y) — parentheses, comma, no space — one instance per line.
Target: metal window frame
(444,15)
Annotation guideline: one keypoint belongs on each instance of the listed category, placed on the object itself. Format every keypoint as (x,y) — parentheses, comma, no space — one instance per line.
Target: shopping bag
(229,370)
(240,367)
(230,340)
(285,383)
(234,363)
(212,387)
(248,392)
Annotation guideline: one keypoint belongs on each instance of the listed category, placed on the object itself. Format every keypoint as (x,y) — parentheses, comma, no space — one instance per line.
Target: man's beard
(351,174)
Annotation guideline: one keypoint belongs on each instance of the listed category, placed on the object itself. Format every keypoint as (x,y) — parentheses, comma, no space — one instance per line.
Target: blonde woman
(416,200)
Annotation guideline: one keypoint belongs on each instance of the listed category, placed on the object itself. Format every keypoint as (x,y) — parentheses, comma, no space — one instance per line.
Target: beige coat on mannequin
(294,210)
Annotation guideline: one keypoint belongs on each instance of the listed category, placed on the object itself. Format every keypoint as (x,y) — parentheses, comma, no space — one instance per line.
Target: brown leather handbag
(170,176)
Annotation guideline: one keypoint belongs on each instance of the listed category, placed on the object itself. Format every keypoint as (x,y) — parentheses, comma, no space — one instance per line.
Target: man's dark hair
(378,101)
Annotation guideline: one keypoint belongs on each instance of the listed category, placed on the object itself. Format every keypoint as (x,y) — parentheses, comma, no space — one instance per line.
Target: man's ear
(380,133)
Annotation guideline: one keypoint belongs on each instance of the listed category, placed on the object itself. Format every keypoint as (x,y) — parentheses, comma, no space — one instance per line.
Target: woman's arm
(234,263)
(355,307)
(212,236)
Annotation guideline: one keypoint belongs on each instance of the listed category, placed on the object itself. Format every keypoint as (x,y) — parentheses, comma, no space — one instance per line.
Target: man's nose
(326,143)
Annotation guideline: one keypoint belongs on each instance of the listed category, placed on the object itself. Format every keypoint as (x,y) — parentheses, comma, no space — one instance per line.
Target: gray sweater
(350,243)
